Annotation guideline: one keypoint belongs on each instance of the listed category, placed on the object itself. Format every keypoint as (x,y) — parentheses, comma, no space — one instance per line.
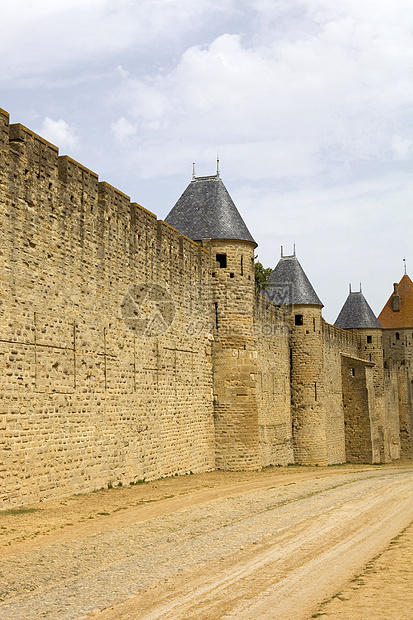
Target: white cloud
(49,35)
(122,71)
(330,92)
(59,133)
(402,147)
(307,102)
(122,129)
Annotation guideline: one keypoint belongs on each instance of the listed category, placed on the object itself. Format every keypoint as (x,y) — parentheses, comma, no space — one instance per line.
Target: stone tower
(206,213)
(397,321)
(357,316)
(290,288)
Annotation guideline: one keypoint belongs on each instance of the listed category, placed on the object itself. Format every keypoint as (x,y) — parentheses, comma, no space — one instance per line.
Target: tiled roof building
(398,311)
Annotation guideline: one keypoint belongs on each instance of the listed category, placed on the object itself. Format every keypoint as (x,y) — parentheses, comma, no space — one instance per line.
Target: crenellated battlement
(43,177)
(334,336)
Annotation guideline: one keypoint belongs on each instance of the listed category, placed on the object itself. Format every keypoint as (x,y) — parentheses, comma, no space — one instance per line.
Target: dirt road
(268,545)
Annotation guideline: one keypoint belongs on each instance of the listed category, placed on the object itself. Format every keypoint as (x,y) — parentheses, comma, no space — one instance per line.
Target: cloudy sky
(308,104)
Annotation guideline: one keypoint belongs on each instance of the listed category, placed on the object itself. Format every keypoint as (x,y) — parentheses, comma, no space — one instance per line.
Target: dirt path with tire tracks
(271,544)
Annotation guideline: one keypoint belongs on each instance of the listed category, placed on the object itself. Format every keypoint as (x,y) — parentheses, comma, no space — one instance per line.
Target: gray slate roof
(357,314)
(206,211)
(290,285)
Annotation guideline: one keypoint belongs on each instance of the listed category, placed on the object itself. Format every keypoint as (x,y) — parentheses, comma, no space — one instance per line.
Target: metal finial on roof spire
(349,287)
(193,172)
(294,250)
(282,252)
(218,173)
(405,266)
(360,288)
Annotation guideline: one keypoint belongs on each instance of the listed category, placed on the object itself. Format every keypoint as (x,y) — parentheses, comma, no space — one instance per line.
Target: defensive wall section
(336,343)
(273,378)
(129,352)
(362,410)
(95,389)
(250,365)
(398,357)
(333,395)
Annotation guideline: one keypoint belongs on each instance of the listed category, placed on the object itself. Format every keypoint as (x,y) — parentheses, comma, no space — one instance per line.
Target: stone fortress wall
(398,356)
(84,401)
(128,353)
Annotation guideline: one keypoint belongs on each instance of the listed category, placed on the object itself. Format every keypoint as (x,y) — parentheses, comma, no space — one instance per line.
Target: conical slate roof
(206,211)
(290,285)
(357,314)
(391,319)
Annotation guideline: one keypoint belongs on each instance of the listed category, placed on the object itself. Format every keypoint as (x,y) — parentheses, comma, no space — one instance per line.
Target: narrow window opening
(315,391)
(291,358)
(353,372)
(299,319)
(314,325)
(242,265)
(231,275)
(397,336)
(216,315)
(222,260)
(368,339)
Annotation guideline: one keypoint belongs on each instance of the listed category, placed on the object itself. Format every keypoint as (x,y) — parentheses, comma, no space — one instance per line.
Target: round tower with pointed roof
(206,213)
(357,316)
(290,288)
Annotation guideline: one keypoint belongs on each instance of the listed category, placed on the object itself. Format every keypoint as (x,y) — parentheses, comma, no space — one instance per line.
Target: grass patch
(19,511)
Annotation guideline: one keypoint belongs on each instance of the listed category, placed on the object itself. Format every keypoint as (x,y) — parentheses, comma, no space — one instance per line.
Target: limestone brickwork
(130,352)
(370,342)
(86,401)
(274,394)
(235,354)
(398,356)
(362,441)
(307,386)
(336,343)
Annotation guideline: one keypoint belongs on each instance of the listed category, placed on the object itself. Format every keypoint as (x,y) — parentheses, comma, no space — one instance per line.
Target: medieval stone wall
(362,440)
(371,348)
(235,354)
(336,342)
(273,377)
(105,332)
(307,386)
(129,352)
(398,355)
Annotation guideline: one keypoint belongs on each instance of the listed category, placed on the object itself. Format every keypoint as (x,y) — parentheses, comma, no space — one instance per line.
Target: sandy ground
(296,542)
(383,590)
